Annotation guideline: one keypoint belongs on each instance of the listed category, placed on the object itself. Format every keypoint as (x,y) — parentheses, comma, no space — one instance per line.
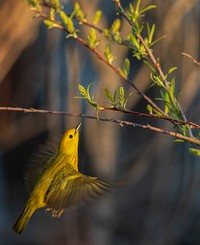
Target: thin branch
(88,24)
(192,58)
(191,140)
(140,114)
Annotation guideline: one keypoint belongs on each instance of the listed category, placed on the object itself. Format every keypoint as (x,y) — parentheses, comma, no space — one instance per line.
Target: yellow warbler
(60,185)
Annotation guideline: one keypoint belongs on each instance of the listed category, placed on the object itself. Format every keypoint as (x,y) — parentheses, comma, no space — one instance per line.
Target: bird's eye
(70,136)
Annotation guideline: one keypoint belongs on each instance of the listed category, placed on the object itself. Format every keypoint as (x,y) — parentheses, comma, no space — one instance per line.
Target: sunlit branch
(192,140)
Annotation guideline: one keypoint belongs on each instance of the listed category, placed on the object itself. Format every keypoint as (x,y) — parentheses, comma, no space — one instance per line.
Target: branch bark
(191,140)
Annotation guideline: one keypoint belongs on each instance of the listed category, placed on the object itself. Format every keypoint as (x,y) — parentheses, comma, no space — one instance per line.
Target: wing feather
(69,190)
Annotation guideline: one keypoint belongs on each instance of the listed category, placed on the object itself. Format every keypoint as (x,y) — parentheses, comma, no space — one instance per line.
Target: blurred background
(39,68)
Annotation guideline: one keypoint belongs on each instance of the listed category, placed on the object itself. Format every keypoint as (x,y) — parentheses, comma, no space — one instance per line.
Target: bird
(60,185)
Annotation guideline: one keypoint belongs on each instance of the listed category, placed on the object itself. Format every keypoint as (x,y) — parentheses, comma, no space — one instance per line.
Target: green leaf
(108,54)
(172,70)
(126,100)
(50,24)
(149,109)
(113,33)
(167,102)
(171,91)
(97,17)
(157,80)
(82,91)
(64,17)
(149,65)
(178,141)
(54,4)
(162,95)
(108,94)
(195,151)
(131,8)
(147,9)
(121,96)
(126,67)
(151,32)
(135,13)
(91,39)
(33,3)
(115,26)
(134,41)
(79,13)
(88,92)
(113,99)
(85,92)
(67,22)
(137,8)
(157,40)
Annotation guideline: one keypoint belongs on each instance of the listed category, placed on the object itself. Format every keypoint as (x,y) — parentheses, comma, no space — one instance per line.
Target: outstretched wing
(37,164)
(70,190)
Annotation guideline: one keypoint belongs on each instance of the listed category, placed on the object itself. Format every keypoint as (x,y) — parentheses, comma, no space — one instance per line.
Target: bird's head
(69,141)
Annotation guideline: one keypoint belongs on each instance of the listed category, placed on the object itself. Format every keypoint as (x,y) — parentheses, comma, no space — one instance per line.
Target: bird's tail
(23,219)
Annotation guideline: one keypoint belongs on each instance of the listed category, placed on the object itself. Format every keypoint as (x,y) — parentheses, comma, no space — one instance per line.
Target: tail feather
(23,219)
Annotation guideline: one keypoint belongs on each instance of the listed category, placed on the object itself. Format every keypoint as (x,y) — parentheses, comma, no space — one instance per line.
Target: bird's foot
(55,213)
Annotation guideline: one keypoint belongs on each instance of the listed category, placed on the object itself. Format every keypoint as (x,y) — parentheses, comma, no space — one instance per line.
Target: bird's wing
(43,157)
(73,189)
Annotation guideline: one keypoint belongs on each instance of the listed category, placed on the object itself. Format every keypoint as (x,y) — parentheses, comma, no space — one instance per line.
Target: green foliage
(97,17)
(167,94)
(108,54)
(149,40)
(136,47)
(33,3)
(68,23)
(140,42)
(92,39)
(135,13)
(85,92)
(169,98)
(112,99)
(153,110)
(126,68)
(195,151)
(149,109)
(79,13)
(114,32)
(50,24)
(135,44)
(118,99)
(55,4)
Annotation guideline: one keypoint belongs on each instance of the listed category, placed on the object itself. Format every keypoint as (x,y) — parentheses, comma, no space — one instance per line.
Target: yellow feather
(60,185)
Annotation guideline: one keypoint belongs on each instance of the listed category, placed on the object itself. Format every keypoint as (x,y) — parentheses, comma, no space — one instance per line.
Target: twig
(140,114)
(192,58)
(191,140)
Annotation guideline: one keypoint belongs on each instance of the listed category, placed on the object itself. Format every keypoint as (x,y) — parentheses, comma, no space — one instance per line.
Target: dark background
(39,68)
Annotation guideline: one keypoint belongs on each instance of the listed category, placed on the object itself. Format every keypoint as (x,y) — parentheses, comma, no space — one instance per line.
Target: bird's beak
(77,127)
